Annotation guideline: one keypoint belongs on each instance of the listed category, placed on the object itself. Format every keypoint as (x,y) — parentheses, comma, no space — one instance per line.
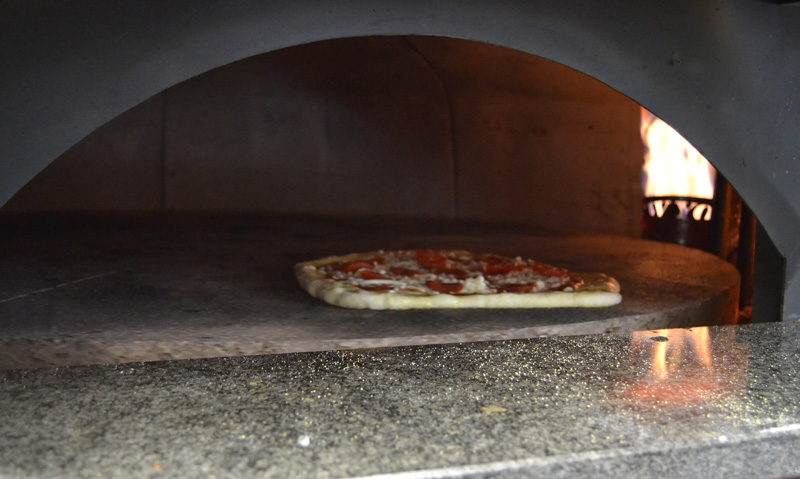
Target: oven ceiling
(722,73)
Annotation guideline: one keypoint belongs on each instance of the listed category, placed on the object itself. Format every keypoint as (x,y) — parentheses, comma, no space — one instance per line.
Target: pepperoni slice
(354,266)
(444,288)
(405,272)
(455,272)
(369,274)
(547,270)
(379,260)
(490,259)
(376,287)
(515,288)
(502,268)
(429,258)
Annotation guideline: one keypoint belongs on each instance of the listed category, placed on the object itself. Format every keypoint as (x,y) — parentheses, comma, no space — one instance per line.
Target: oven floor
(89,290)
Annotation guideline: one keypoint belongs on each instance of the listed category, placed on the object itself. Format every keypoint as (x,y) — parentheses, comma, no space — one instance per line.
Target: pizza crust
(597,290)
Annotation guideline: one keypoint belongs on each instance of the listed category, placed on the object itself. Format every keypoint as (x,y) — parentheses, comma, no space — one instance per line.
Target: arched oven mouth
(721,92)
(171,232)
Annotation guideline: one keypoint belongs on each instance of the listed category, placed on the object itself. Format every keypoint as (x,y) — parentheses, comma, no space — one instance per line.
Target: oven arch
(721,74)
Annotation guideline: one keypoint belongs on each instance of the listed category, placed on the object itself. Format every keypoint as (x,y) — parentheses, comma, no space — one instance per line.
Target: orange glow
(680,367)
(681,346)
(659,362)
(672,166)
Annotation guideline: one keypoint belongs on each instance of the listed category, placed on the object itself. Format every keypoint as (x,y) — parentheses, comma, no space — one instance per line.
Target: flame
(672,166)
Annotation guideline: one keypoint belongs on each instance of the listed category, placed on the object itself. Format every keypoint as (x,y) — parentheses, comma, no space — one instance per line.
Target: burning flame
(672,166)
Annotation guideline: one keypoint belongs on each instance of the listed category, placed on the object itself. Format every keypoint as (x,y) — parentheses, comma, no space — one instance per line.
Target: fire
(672,166)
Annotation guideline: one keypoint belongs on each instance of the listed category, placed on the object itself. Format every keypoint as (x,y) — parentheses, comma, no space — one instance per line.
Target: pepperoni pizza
(423,279)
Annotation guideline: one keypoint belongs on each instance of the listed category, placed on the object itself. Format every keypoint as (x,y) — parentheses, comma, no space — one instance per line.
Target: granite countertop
(597,406)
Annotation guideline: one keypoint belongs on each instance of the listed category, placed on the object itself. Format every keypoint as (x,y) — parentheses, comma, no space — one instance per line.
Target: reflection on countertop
(710,402)
(683,369)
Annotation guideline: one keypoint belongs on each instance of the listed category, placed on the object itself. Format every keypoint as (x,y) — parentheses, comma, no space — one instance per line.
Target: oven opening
(171,231)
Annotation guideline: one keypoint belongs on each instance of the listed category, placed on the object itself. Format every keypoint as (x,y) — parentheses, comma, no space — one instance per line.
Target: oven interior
(170,232)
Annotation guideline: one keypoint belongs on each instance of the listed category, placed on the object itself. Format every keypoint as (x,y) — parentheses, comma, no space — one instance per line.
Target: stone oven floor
(94,290)
(577,406)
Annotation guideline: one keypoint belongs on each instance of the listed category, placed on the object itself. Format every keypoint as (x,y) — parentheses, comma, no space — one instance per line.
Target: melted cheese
(474,283)
(325,279)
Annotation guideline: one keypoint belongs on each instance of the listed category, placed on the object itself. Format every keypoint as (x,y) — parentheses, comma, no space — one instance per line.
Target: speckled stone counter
(651,404)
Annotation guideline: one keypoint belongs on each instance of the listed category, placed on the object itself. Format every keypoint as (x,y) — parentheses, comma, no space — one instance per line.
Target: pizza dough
(425,279)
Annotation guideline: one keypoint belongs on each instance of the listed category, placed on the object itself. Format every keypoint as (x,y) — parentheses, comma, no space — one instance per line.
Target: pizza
(425,279)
